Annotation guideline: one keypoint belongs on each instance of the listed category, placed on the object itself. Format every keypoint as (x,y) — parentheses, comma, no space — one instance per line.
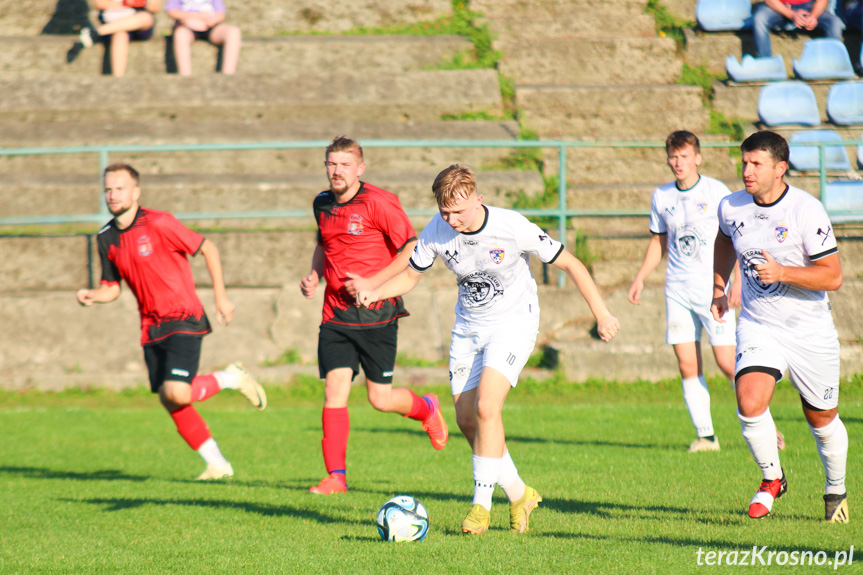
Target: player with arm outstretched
(497,322)
(783,240)
(364,239)
(148,249)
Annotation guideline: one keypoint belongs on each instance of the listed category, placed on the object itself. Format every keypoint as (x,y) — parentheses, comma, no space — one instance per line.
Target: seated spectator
(805,15)
(203,20)
(122,21)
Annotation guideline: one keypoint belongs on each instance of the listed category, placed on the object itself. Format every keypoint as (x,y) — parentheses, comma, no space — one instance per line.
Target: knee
(379,401)
(750,406)
(175,396)
(234,34)
(486,411)
(183,35)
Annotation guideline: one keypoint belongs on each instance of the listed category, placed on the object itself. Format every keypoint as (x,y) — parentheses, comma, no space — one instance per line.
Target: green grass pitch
(99,482)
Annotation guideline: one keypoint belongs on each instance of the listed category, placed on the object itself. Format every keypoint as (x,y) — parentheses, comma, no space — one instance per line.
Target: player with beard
(148,249)
(364,238)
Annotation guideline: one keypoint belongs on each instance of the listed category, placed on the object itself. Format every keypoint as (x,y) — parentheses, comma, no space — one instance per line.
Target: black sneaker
(836,508)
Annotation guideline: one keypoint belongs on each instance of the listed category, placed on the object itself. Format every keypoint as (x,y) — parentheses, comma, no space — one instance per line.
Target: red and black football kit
(361,236)
(151,256)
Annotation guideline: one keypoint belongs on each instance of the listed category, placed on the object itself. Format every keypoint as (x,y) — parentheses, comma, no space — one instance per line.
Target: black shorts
(174,358)
(137,35)
(374,349)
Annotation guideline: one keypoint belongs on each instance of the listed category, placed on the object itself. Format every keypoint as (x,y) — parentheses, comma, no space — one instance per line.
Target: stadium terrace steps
(254,17)
(286,55)
(308,161)
(612,112)
(68,194)
(626,165)
(572,22)
(591,61)
(417,96)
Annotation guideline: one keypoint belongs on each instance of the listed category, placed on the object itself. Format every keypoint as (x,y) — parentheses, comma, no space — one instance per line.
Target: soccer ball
(403,518)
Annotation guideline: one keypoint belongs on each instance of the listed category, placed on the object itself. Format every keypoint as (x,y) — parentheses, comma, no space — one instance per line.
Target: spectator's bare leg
(230,38)
(140,21)
(183,38)
(119,53)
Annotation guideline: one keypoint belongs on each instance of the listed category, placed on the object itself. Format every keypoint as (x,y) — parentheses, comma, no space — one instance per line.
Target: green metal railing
(562,213)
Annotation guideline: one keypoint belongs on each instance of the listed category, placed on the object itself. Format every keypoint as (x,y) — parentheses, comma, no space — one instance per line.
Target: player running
(784,242)
(683,222)
(148,249)
(497,321)
(364,238)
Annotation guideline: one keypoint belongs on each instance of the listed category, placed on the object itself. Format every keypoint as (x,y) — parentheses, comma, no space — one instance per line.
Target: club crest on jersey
(496,255)
(781,233)
(145,248)
(355,226)
(702,207)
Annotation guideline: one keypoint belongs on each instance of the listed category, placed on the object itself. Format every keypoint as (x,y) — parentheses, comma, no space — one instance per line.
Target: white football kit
(689,218)
(782,326)
(497,311)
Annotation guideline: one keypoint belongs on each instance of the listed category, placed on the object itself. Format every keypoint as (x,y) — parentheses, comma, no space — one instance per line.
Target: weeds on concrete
(668,25)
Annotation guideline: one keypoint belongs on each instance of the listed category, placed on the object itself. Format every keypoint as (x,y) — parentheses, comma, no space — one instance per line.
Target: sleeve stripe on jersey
(418,268)
(829,252)
(197,251)
(407,241)
(723,233)
(560,251)
(658,233)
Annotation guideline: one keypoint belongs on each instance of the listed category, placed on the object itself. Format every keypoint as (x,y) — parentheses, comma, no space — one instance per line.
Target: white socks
(485,472)
(697,399)
(760,435)
(209,450)
(227,380)
(832,443)
(508,478)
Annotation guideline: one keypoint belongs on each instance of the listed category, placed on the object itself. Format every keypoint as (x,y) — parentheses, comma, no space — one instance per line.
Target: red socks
(191,426)
(204,387)
(336,425)
(420,410)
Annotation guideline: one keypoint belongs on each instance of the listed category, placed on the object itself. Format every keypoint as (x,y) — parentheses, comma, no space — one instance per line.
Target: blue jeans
(765,19)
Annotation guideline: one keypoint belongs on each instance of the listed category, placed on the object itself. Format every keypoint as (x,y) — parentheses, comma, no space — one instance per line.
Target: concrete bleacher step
(290,55)
(571,22)
(591,61)
(395,158)
(425,95)
(606,112)
(254,17)
(610,166)
(55,194)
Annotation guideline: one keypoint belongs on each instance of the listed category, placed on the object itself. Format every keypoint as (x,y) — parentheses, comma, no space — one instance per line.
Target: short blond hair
(345,144)
(454,183)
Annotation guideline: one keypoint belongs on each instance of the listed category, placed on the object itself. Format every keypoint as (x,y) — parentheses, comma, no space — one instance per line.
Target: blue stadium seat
(751,69)
(805,158)
(716,15)
(844,196)
(790,102)
(845,103)
(824,59)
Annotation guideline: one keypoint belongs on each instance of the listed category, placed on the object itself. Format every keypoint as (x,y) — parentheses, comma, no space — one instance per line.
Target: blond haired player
(497,321)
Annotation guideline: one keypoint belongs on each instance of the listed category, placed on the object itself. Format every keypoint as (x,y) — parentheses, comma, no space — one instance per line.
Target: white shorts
(812,362)
(504,347)
(687,312)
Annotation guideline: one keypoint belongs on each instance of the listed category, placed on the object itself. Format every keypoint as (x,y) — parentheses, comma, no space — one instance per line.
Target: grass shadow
(98,475)
(122,504)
